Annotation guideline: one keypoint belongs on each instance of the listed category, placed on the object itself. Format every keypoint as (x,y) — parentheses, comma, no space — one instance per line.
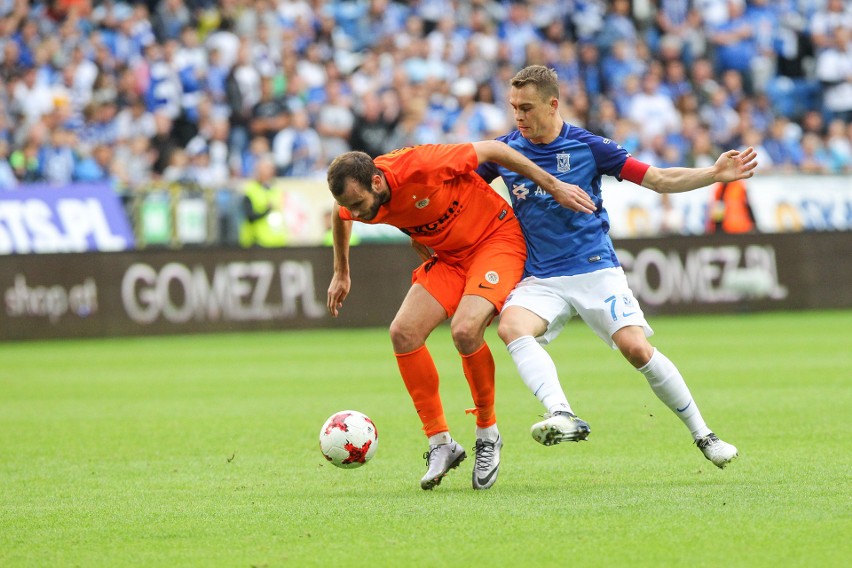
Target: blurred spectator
(170,17)
(162,143)
(721,118)
(263,204)
(57,158)
(11,66)
(177,171)
(334,120)
(134,121)
(446,41)
(269,115)
(814,122)
(732,41)
(675,81)
(833,15)
(297,149)
(732,82)
(517,31)
(839,146)
(225,43)
(676,21)
(652,109)
(205,172)
(703,152)
(472,119)
(618,26)
(376,117)
(815,159)
(712,13)
(30,99)
(782,148)
(754,139)
(95,166)
(413,128)
(605,119)
(25,163)
(618,65)
(258,147)
(703,80)
(134,163)
(8,180)
(729,210)
(243,92)
(834,71)
(590,69)
(764,20)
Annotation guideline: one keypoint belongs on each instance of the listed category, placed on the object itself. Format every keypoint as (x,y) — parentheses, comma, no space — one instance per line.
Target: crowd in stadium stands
(196,91)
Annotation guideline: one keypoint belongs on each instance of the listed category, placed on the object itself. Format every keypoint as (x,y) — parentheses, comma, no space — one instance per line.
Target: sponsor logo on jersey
(436,226)
(520,191)
(595,258)
(563,162)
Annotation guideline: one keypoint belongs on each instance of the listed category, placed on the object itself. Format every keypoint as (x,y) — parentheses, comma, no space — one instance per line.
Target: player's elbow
(489,150)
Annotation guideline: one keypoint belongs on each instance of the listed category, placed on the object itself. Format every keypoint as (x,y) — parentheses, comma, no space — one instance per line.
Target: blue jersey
(561,242)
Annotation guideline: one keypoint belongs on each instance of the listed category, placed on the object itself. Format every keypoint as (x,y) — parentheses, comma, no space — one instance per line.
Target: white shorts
(601,298)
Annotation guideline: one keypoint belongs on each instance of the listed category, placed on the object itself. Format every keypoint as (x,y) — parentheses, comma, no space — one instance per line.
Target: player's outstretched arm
(341,230)
(731,165)
(568,195)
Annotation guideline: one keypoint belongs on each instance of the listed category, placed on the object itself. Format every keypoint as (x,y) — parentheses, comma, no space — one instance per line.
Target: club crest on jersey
(422,203)
(520,191)
(563,162)
(492,277)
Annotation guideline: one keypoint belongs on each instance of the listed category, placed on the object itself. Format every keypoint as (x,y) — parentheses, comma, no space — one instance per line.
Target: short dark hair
(543,78)
(356,166)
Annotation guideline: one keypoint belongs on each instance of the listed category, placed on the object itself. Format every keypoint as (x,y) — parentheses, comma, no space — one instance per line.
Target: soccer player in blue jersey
(571,266)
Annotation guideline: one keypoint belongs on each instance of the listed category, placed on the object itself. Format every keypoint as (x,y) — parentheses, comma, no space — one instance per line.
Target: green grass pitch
(203,451)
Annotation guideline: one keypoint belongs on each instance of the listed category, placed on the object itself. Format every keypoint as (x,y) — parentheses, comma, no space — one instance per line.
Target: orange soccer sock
(421,379)
(479,371)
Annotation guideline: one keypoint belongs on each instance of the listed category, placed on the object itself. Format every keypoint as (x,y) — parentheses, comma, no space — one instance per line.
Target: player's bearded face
(364,202)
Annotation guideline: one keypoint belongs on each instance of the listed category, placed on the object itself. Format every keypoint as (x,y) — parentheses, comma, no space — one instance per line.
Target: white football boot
(559,427)
(719,452)
(440,459)
(487,462)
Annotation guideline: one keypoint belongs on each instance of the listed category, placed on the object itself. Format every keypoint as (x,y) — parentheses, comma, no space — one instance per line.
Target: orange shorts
(491,271)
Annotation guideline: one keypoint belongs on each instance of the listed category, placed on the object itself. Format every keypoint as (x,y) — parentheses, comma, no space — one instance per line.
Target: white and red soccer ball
(348,439)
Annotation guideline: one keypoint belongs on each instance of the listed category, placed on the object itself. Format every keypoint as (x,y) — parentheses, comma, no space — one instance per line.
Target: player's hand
(573,197)
(337,292)
(734,165)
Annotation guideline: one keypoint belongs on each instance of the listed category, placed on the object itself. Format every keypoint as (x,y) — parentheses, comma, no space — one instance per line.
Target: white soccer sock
(539,373)
(440,438)
(668,384)
(491,433)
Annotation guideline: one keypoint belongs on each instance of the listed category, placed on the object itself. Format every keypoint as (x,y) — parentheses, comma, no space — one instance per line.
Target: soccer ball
(348,439)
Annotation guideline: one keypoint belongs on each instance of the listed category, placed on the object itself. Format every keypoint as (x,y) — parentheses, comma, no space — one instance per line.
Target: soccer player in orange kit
(473,253)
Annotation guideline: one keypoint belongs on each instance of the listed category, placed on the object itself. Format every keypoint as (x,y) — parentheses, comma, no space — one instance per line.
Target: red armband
(634,170)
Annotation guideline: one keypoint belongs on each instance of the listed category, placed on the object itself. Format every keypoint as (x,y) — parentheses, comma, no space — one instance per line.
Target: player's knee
(638,353)
(508,331)
(467,335)
(404,337)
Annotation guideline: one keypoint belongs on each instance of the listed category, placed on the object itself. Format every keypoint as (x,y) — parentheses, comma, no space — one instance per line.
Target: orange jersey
(438,199)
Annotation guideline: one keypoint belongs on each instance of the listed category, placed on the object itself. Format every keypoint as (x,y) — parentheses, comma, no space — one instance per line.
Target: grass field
(202,451)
